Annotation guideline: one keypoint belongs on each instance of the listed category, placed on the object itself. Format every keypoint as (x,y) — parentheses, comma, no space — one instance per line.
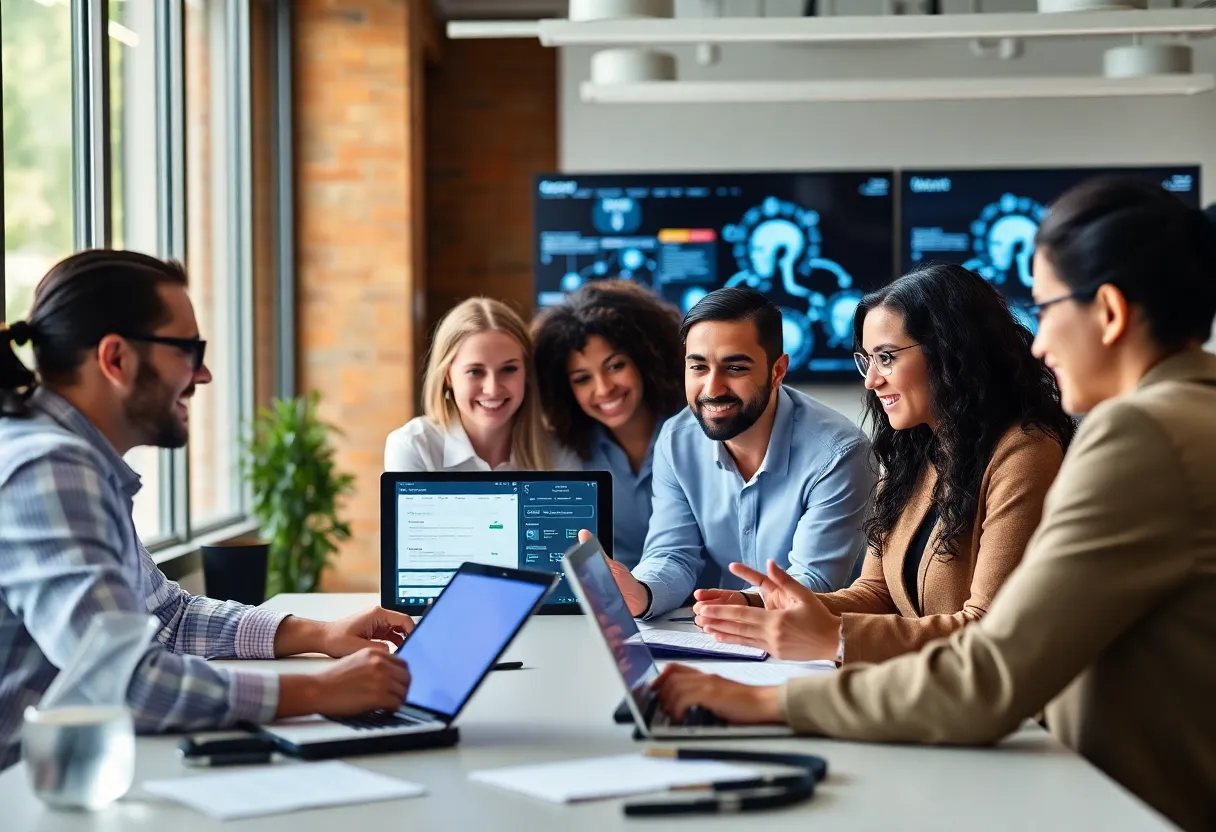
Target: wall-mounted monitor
(987,219)
(813,242)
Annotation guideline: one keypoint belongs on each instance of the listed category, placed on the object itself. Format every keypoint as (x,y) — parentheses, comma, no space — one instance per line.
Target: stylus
(508,666)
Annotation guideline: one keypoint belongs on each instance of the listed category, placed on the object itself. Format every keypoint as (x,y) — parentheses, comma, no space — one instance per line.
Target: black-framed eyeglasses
(884,360)
(195,346)
(1084,293)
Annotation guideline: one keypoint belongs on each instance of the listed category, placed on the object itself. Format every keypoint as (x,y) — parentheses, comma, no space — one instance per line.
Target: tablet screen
(462,635)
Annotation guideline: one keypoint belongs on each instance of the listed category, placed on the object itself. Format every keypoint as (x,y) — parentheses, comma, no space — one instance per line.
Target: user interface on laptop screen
(601,594)
(519,525)
(460,637)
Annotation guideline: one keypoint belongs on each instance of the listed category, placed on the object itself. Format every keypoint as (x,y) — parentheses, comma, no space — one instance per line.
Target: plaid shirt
(68,550)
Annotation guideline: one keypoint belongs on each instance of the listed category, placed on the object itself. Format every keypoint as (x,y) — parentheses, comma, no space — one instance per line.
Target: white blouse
(420,445)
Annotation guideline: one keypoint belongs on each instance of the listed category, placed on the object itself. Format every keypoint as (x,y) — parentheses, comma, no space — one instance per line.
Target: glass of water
(79,757)
(78,742)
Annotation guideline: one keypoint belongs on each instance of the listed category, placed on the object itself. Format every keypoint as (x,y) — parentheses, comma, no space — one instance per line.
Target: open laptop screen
(600,594)
(517,520)
(462,635)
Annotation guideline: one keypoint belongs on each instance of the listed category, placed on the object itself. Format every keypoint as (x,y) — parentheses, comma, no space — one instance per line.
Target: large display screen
(813,242)
(986,219)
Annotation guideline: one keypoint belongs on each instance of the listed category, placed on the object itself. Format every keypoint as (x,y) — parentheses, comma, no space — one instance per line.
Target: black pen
(508,666)
(240,758)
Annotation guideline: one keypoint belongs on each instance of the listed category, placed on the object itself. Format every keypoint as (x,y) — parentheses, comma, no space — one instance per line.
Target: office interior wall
(491,123)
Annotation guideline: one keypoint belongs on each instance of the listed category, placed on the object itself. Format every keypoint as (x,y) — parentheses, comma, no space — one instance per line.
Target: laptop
(470,625)
(588,572)
(431,522)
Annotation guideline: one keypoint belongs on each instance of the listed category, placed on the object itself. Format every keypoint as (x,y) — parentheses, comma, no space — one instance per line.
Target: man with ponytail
(117,357)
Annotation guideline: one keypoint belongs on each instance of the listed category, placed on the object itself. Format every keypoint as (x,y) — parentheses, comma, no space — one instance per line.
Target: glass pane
(135,176)
(36,51)
(214,433)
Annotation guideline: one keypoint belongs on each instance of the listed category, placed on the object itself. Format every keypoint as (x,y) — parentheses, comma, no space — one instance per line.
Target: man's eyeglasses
(884,360)
(1084,293)
(195,346)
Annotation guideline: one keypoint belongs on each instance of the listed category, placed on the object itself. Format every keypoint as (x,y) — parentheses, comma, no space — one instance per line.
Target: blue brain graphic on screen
(777,246)
(1003,240)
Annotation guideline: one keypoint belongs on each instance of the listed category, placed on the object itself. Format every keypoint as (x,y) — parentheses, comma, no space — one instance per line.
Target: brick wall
(491,122)
(358,66)
(412,194)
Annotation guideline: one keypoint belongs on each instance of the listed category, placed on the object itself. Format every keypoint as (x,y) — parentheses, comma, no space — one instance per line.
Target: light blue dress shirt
(630,493)
(804,507)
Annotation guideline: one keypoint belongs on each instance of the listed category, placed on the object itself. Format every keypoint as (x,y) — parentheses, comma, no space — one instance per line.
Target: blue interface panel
(813,242)
(986,220)
(524,525)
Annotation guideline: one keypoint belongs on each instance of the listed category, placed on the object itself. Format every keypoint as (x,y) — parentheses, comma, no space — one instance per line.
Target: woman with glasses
(969,434)
(1108,624)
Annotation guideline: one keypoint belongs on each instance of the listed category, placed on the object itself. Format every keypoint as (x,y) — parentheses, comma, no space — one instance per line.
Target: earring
(447,394)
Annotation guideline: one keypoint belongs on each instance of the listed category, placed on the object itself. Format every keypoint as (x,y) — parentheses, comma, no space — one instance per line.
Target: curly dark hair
(983,380)
(630,318)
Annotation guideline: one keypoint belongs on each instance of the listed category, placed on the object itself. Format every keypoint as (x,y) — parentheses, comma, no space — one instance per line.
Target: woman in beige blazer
(1109,622)
(969,433)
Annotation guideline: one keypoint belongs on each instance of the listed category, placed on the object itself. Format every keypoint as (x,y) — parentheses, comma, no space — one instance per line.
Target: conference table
(560,708)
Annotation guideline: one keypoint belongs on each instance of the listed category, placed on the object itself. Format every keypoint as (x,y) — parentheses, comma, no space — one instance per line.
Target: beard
(746,415)
(151,409)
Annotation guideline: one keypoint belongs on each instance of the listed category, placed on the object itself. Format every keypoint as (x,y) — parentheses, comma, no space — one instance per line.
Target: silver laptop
(601,599)
(454,647)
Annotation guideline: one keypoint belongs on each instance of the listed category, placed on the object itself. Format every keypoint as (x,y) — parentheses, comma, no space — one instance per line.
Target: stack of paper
(253,793)
(602,777)
(683,642)
(771,672)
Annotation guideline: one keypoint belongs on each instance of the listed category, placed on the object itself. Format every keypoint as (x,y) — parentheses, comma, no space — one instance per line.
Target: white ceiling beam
(875,28)
(907,89)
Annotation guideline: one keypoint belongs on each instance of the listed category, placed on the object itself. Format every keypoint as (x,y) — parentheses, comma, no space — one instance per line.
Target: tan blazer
(1110,620)
(878,618)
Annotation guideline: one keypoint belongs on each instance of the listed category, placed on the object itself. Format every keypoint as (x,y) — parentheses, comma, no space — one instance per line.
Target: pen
(689,618)
(241,758)
(508,666)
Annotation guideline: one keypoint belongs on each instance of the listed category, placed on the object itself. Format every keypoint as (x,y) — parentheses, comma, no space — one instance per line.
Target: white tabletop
(560,707)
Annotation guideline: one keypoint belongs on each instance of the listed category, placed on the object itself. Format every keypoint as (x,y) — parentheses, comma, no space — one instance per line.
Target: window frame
(93,211)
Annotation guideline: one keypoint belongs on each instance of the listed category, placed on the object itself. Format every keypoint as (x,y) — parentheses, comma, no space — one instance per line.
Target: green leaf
(287,458)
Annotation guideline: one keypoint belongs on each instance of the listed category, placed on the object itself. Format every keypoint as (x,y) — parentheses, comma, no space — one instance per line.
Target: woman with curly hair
(609,364)
(968,434)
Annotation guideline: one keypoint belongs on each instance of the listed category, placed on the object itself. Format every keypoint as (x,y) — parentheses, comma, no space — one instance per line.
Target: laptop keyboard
(376,719)
(694,716)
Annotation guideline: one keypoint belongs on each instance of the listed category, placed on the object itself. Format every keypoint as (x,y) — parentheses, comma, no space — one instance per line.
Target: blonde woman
(479,399)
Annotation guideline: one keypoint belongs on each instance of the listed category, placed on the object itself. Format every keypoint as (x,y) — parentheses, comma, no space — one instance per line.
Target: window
(37,69)
(135,193)
(213,417)
(192,172)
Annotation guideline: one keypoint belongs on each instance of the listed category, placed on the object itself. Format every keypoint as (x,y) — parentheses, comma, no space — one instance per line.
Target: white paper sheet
(250,793)
(697,641)
(770,672)
(603,777)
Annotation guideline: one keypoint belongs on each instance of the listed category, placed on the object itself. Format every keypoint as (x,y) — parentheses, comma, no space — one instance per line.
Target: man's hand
(368,680)
(722,596)
(376,628)
(680,688)
(637,597)
(372,628)
(795,624)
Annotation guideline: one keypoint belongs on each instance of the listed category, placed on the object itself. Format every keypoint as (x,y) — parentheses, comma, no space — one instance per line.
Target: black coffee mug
(236,571)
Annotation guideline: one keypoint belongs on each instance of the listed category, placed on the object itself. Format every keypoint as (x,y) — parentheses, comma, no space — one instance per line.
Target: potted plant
(289,463)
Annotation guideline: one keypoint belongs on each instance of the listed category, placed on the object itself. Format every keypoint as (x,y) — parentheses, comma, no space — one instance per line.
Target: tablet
(432,522)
